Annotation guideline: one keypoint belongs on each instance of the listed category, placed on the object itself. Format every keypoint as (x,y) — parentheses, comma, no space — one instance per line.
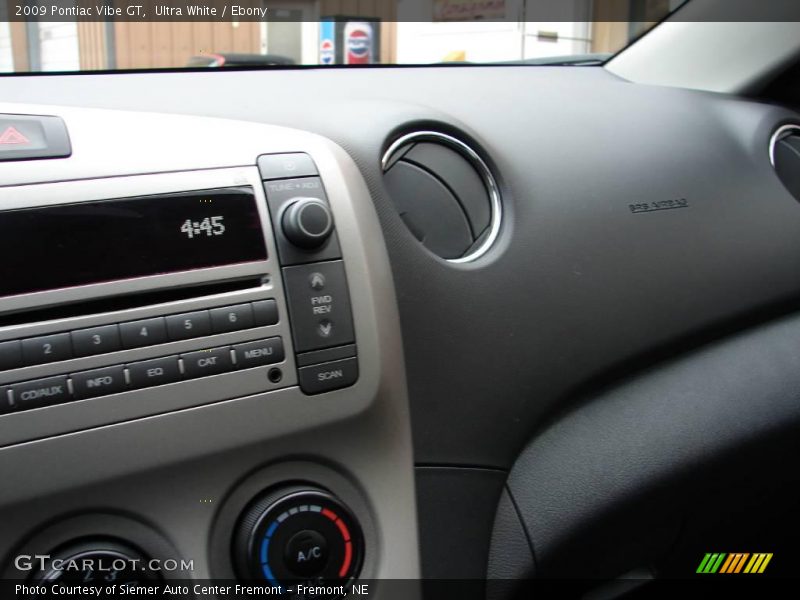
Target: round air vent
(784,152)
(445,193)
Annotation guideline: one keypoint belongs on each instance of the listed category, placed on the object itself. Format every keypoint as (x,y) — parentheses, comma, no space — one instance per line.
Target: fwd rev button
(42,392)
(329,376)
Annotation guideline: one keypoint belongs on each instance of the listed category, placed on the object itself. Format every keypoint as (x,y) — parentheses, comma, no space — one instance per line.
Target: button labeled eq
(159,371)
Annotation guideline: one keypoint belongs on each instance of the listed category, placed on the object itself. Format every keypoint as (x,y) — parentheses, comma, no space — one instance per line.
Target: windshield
(43,36)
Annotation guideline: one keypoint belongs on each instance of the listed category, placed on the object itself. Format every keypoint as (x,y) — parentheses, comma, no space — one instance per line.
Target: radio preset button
(231,318)
(46,349)
(100,382)
(10,355)
(97,340)
(42,392)
(159,371)
(147,332)
(207,362)
(265,313)
(256,354)
(189,325)
(328,376)
(319,306)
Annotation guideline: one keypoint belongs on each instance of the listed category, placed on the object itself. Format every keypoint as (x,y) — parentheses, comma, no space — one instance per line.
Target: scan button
(328,376)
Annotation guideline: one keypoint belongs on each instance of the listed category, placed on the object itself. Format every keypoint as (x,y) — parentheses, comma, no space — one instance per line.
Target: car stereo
(122,299)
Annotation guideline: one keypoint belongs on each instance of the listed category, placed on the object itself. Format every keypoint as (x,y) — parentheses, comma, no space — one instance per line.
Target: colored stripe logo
(734,563)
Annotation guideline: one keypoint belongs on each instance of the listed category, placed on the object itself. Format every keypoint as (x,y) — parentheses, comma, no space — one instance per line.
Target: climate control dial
(298,534)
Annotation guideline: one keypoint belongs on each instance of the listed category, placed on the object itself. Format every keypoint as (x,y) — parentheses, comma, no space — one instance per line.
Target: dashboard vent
(445,193)
(785,157)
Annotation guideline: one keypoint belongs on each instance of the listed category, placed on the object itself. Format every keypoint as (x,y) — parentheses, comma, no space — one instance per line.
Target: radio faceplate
(183,458)
(105,364)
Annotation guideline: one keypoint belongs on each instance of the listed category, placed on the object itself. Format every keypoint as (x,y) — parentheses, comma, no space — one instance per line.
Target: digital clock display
(92,242)
(209,226)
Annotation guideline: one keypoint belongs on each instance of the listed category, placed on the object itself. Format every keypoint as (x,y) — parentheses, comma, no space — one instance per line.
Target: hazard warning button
(33,136)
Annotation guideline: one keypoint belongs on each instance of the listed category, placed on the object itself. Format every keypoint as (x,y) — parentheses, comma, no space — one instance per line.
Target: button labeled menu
(319,306)
(99,382)
(256,354)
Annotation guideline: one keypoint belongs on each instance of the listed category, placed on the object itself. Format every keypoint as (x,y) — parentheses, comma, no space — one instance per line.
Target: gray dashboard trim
(158,467)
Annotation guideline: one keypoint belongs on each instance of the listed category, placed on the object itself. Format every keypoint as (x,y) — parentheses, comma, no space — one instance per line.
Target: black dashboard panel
(638,221)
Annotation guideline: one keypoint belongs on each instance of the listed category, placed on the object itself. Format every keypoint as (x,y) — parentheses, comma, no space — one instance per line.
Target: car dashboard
(265,318)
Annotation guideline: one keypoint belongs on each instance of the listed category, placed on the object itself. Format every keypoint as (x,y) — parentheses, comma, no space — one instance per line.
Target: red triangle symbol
(12,136)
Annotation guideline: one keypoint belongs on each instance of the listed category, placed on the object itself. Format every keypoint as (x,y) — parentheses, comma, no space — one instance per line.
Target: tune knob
(307,222)
(298,534)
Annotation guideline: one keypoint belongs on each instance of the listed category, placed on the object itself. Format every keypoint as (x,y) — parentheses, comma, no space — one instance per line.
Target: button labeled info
(99,382)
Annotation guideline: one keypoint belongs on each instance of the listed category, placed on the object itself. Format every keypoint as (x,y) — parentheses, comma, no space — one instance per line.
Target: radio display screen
(68,245)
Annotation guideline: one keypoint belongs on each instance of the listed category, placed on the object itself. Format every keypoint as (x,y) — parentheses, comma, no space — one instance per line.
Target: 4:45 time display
(208,227)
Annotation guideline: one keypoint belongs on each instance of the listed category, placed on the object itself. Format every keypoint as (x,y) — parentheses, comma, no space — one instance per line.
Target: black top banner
(401,10)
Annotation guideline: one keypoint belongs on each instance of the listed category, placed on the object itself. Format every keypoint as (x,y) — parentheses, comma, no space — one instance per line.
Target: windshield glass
(39,36)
